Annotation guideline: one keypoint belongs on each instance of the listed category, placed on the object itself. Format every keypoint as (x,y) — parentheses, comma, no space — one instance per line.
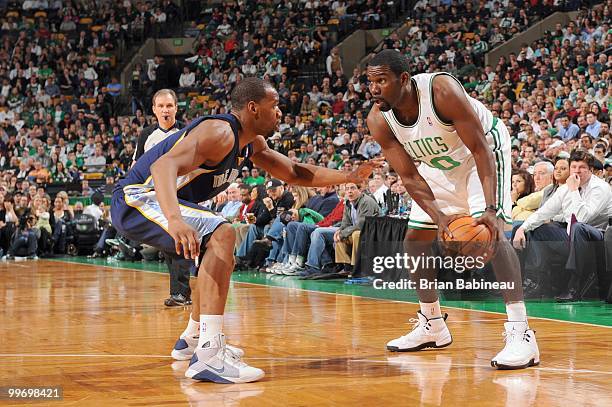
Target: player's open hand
(186,239)
(363,172)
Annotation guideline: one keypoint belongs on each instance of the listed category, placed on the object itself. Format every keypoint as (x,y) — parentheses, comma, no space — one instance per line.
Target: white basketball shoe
(426,333)
(186,345)
(521,348)
(215,362)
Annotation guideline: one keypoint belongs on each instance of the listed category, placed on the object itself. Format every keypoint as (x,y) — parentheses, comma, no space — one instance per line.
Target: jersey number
(444,163)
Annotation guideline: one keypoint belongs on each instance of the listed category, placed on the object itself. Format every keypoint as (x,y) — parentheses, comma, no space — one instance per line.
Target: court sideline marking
(344,295)
(299,359)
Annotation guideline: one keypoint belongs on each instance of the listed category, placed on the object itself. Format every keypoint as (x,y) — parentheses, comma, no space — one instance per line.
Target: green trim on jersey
(422,223)
(434,227)
(431,101)
(419,225)
(499,169)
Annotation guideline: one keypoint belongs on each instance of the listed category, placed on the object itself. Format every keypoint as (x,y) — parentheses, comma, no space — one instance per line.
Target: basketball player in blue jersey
(465,169)
(157,204)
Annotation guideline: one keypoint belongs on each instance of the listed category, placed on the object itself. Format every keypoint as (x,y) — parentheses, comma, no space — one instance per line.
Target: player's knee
(225,235)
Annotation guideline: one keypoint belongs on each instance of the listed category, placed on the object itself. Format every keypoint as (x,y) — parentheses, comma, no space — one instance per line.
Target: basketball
(468,240)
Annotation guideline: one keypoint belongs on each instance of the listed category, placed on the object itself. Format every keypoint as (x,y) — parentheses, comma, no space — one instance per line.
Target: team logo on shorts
(429,121)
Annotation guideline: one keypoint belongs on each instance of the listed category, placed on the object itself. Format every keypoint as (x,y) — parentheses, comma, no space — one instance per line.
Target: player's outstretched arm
(453,107)
(308,175)
(183,158)
(404,166)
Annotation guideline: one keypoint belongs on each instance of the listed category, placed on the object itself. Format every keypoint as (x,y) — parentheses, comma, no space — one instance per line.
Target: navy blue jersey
(200,184)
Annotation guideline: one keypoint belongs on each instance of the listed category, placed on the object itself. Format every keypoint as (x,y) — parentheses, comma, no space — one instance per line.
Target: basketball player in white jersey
(465,169)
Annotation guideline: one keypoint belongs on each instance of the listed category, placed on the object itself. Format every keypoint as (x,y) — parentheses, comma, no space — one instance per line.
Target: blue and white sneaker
(293,270)
(215,362)
(186,345)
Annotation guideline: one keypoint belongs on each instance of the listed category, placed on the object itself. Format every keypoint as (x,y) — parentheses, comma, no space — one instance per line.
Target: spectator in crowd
(8,222)
(250,211)
(59,219)
(302,209)
(233,204)
(529,202)
(278,200)
(567,129)
(96,208)
(296,247)
(378,188)
(257,221)
(369,147)
(522,186)
(593,127)
(334,61)
(577,213)
(346,238)
(187,79)
(560,175)
(314,210)
(255,178)
(24,242)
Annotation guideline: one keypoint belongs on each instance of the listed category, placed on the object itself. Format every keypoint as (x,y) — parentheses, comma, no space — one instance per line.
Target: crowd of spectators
(280,41)
(457,35)
(60,123)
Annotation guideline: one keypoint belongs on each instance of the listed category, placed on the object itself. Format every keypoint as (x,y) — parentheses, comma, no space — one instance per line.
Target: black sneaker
(177,300)
(265,242)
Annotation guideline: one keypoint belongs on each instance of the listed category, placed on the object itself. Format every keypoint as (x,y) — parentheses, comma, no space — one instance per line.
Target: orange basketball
(468,240)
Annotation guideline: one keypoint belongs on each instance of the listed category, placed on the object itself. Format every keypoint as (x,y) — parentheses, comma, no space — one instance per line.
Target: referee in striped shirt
(165,109)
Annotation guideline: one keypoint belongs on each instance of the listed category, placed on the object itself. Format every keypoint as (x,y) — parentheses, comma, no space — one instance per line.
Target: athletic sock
(516,312)
(193,328)
(210,326)
(431,309)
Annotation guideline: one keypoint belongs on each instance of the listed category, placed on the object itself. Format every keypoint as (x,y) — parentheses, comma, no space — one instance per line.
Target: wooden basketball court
(104,335)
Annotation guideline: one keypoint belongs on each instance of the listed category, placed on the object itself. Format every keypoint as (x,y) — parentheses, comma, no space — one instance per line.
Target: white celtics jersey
(430,140)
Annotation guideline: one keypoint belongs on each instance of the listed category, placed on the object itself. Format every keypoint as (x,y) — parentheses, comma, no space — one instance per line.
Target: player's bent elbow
(160,165)
(297,175)
(155,166)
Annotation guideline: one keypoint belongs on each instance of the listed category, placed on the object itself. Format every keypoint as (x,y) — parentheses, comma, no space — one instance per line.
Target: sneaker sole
(420,347)
(176,304)
(209,376)
(498,366)
(291,273)
(176,355)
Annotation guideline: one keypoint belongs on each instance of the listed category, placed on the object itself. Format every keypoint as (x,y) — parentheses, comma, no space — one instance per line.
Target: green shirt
(44,73)
(254,181)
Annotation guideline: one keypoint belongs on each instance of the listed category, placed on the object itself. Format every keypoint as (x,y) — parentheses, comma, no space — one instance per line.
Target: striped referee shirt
(151,136)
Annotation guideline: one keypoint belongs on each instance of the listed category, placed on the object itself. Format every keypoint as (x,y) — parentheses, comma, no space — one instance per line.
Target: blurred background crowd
(69,127)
